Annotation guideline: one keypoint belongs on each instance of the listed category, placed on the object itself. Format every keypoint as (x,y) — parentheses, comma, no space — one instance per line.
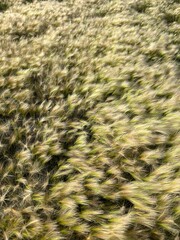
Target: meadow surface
(89,120)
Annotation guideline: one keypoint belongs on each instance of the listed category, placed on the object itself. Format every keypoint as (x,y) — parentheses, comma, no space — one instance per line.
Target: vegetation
(89,120)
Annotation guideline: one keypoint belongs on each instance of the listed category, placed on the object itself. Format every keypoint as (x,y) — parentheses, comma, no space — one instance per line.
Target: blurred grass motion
(89,120)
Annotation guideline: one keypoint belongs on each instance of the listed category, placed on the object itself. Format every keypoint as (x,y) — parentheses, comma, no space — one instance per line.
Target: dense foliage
(89,120)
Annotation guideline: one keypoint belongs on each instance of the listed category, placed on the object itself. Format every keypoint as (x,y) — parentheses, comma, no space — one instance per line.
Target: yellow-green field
(89,120)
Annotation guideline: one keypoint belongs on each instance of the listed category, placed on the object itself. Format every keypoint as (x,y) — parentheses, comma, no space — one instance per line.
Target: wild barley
(89,120)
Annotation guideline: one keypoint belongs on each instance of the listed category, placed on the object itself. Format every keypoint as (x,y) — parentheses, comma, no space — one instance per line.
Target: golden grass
(89,120)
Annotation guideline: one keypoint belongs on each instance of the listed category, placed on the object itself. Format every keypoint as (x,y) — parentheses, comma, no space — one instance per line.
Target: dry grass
(89,120)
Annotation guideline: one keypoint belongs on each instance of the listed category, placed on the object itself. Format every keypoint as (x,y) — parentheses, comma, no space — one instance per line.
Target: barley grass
(89,120)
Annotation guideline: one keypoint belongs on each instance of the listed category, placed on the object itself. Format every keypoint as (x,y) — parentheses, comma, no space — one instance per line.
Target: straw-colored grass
(89,120)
